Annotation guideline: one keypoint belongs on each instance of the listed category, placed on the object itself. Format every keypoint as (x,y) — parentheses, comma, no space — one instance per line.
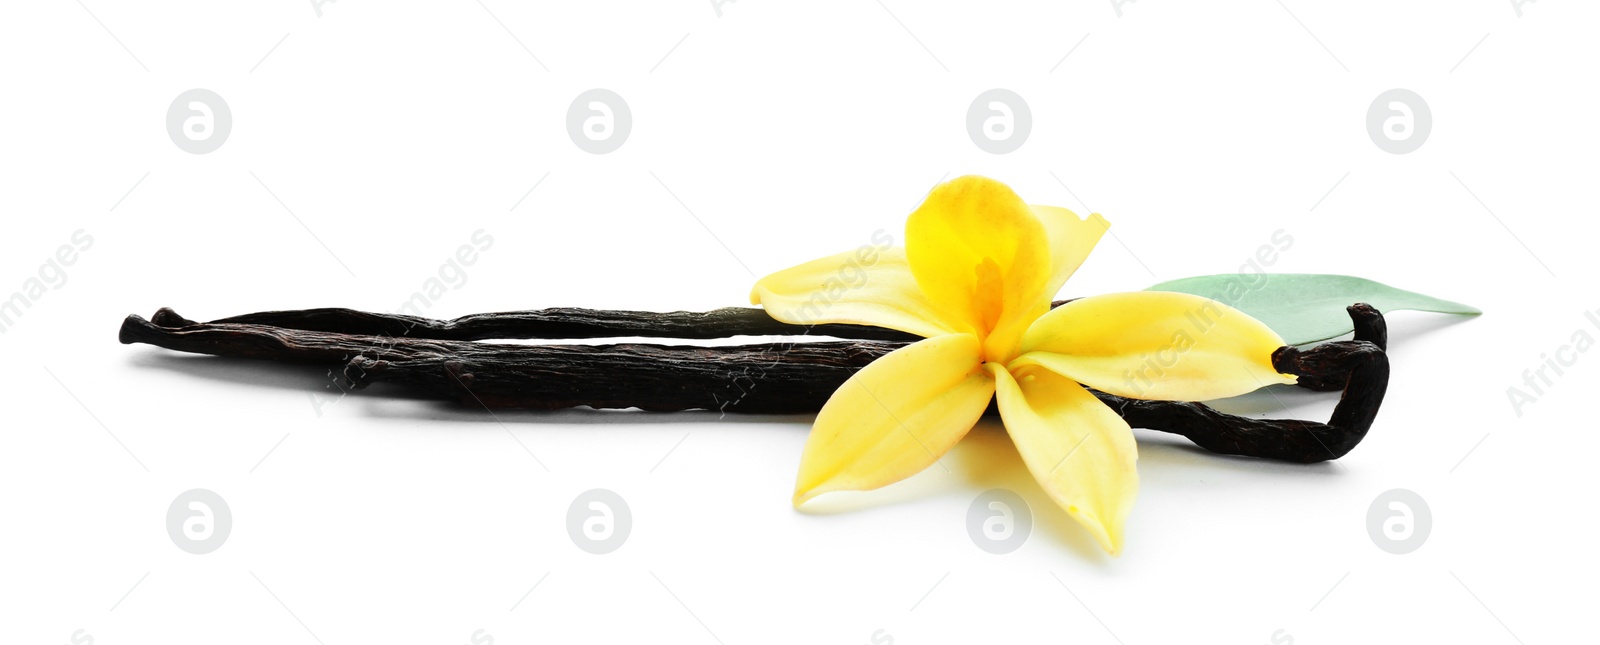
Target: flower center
(988,298)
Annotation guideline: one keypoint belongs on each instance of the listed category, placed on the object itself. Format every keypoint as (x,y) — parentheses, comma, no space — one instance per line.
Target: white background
(763,137)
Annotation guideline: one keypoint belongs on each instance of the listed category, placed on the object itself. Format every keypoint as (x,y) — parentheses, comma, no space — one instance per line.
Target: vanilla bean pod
(795,377)
(583,324)
(571,323)
(1360,367)
(435,357)
(558,323)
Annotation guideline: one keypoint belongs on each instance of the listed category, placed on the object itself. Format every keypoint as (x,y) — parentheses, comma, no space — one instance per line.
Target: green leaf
(1304,307)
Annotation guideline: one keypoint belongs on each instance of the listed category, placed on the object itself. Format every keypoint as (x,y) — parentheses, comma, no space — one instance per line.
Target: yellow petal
(895,417)
(867,286)
(982,257)
(1079,449)
(1071,240)
(1155,345)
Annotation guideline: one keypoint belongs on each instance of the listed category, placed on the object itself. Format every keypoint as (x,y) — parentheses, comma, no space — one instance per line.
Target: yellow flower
(976,279)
